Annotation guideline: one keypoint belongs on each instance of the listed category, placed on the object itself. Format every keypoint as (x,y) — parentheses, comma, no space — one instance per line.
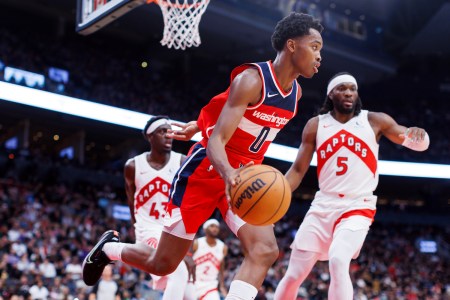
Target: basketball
(262,196)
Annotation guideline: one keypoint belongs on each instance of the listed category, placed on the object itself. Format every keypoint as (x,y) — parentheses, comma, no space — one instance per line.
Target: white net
(181,20)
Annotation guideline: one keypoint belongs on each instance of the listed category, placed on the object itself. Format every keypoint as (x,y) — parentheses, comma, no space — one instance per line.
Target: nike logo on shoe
(114,239)
(96,260)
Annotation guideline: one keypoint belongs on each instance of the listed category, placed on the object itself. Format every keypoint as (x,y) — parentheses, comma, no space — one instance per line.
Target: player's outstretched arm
(305,153)
(414,138)
(186,132)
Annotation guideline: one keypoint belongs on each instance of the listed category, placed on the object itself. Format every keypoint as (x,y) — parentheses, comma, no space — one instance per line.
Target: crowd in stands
(50,222)
(180,88)
(53,211)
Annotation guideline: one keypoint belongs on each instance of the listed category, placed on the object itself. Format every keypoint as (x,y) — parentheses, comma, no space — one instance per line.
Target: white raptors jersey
(152,191)
(208,259)
(347,156)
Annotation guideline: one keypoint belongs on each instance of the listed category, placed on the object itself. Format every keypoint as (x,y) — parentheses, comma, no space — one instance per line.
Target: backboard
(93,15)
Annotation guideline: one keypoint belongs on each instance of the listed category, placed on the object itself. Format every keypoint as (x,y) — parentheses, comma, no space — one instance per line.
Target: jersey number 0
(260,139)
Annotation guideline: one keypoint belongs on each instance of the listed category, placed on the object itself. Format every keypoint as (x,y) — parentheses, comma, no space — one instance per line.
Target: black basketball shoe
(96,260)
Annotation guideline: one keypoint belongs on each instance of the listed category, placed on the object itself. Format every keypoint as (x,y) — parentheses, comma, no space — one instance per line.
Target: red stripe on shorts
(204,295)
(368,213)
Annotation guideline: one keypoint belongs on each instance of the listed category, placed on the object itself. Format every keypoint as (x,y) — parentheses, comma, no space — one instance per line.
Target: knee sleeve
(300,265)
(345,245)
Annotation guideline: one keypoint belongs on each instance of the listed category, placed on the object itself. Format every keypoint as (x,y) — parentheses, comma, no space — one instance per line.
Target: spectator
(73,269)
(106,288)
(38,291)
(47,269)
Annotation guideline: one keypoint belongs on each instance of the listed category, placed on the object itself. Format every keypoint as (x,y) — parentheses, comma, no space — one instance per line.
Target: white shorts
(173,224)
(207,290)
(149,236)
(327,215)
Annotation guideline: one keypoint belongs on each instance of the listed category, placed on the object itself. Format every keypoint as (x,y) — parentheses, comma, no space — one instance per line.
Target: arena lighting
(100,112)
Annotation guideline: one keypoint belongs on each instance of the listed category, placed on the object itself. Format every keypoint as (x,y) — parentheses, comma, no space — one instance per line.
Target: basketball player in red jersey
(237,127)
(147,182)
(345,139)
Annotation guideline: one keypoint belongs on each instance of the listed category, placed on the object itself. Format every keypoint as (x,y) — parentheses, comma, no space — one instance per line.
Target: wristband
(416,146)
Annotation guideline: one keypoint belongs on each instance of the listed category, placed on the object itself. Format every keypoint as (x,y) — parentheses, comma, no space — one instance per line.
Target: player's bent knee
(160,268)
(291,278)
(337,262)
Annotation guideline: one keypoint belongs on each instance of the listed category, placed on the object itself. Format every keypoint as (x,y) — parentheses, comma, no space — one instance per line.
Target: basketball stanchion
(181,21)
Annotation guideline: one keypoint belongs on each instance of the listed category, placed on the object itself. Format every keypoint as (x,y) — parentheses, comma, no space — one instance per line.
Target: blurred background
(61,176)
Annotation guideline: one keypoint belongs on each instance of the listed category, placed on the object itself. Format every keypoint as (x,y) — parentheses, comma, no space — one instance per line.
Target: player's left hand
(190,264)
(186,133)
(414,134)
(233,179)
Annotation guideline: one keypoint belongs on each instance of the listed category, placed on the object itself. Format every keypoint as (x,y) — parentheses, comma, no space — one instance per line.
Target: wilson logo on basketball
(249,191)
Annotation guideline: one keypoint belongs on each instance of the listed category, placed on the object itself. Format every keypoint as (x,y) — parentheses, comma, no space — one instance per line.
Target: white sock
(241,290)
(114,250)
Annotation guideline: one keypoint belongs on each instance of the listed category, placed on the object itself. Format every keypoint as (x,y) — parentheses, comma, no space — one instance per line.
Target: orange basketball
(262,196)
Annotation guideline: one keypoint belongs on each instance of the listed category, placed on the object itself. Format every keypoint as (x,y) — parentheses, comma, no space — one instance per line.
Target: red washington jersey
(261,122)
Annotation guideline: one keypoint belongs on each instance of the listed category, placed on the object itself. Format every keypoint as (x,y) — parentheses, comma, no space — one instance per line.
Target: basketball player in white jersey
(345,139)
(209,253)
(148,177)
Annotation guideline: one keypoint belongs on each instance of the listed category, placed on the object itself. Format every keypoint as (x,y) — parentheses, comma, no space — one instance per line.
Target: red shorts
(197,189)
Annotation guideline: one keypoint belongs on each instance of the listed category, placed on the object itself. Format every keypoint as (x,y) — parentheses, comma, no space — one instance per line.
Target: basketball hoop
(181,20)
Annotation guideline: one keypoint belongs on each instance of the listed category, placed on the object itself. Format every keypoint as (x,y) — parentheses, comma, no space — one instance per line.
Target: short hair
(149,122)
(328,103)
(292,26)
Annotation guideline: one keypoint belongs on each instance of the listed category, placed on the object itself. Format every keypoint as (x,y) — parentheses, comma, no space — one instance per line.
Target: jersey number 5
(342,165)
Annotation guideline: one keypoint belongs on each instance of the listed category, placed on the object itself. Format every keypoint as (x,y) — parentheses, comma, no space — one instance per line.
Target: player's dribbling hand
(232,179)
(186,132)
(414,134)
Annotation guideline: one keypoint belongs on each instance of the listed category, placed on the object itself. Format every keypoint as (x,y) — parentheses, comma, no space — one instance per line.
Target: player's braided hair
(149,122)
(292,26)
(328,103)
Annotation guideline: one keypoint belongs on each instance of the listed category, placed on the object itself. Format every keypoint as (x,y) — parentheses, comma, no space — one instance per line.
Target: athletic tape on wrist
(416,146)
